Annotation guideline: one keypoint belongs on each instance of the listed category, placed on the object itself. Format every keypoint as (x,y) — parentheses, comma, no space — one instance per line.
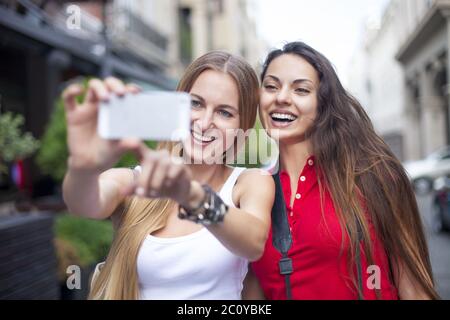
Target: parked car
(423,172)
(441,204)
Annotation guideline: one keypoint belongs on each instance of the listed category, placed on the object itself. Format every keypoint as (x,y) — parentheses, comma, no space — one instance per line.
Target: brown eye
(302,90)
(270,87)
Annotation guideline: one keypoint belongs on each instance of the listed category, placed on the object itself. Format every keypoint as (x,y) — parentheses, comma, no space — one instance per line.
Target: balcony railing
(54,14)
(125,30)
(128,30)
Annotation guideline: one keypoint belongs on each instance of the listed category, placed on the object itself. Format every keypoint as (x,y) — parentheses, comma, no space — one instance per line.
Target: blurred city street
(393,56)
(438,244)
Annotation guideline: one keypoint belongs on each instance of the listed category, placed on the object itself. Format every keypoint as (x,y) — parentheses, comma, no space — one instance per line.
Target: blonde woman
(155,254)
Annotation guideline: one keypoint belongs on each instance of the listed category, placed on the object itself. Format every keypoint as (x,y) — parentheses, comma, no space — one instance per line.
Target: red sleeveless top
(320,272)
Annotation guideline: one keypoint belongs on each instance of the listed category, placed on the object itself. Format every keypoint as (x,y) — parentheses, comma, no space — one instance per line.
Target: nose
(283,96)
(205,120)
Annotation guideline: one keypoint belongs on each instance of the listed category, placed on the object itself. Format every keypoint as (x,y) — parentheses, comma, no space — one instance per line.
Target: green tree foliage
(53,154)
(88,240)
(14,144)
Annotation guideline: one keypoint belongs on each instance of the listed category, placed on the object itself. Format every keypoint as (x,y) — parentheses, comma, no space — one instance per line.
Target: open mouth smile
(282,119)
(202,139)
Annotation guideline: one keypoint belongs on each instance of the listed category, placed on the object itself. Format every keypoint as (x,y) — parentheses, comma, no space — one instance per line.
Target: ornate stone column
(414,139)
(433,117)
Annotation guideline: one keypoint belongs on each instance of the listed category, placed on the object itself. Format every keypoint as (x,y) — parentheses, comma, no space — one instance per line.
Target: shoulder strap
(226,192)
(282,240)
(281,234)
(231,181)
(358,262)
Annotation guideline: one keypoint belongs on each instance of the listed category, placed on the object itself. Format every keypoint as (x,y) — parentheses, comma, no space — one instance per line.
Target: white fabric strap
(226,193)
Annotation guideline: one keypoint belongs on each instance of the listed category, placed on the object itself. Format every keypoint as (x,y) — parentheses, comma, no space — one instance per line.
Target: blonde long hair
(138,217)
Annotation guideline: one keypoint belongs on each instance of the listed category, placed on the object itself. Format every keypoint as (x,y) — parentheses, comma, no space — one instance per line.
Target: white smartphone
(152,115)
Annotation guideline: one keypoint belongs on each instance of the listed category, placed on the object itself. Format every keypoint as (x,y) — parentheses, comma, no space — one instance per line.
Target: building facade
(206,25)
(43,44)
(194,27)
(400,74)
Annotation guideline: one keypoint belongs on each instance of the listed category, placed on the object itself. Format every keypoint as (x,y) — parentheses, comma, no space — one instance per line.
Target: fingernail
(177,160)
(140,192)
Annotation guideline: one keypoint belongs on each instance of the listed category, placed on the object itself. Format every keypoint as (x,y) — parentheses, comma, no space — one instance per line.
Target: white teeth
(203,138)
(283,116)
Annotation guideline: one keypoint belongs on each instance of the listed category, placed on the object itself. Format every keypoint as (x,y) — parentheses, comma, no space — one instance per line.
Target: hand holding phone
(87,150)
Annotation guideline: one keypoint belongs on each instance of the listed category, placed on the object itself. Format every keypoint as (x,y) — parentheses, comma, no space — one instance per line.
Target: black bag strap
(281,234)
(358,262)
(282,240)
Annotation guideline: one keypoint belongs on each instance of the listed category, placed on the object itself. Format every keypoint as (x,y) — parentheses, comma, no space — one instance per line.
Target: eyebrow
(221,105)
(198,97)
(294,82)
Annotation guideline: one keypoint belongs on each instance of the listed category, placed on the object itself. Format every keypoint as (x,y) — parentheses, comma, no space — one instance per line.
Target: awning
(34,31)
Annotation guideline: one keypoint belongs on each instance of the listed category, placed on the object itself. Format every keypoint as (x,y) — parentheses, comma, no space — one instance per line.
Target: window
(185,34)
(218,6)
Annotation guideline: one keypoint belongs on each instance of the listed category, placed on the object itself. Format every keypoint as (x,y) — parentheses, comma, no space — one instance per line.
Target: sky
(333,27)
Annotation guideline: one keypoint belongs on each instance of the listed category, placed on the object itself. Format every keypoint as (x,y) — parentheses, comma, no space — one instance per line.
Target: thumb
(69,96)
(128,190)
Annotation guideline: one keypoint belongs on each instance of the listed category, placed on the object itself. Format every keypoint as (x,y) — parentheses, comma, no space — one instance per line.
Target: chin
(287,137)
(197,157)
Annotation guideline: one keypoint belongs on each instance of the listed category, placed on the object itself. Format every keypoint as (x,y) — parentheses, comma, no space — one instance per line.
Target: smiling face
(288,98)
(214,117)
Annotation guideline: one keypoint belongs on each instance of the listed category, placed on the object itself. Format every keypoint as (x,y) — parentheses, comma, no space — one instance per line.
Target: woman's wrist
(210,210)
(80,167)
(196,196)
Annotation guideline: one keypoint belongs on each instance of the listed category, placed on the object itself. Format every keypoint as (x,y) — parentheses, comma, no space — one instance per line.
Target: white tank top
(192,267)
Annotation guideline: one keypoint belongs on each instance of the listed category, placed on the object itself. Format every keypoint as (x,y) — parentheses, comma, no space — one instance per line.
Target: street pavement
(439,247)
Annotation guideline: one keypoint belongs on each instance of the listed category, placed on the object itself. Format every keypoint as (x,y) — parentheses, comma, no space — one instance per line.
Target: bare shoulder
(255,191)
(256,180)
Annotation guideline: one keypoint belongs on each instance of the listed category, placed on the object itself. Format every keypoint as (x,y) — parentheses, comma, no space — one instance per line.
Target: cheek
(307,106)
(265,101)
(229,133)
(264,105)
(230,137)
(195,115)
(225,124)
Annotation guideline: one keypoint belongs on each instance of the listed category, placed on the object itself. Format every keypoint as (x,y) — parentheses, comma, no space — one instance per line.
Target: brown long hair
(366,181)
(138,217)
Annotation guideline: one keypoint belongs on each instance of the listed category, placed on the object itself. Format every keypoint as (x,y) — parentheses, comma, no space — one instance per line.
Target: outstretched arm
(86,190)
(244,230)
